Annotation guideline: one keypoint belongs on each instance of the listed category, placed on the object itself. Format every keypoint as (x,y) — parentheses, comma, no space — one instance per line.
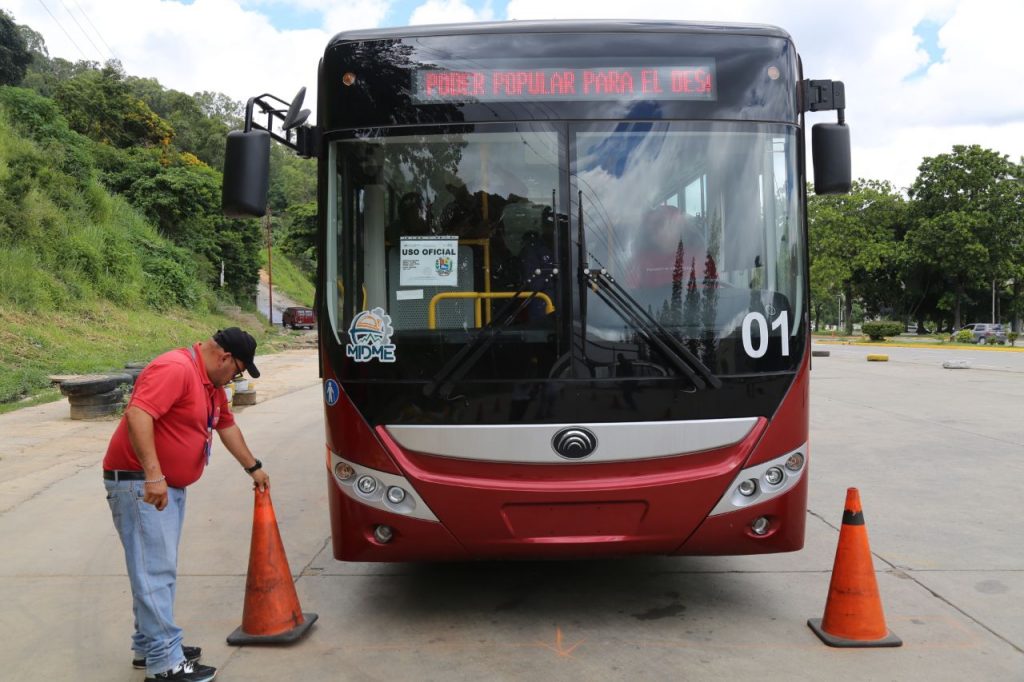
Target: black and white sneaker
(186,672)
(192,653)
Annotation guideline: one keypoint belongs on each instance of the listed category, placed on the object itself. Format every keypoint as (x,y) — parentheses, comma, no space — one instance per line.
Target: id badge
(211,424)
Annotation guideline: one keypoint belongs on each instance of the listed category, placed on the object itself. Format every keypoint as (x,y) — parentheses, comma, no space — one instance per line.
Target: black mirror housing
(246,174)
(830,152)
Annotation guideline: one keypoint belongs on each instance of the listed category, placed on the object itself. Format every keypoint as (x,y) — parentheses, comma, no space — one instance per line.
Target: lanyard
(212,412)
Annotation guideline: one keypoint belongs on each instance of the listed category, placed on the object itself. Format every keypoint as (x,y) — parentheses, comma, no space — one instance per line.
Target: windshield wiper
(626,307)
(468,355)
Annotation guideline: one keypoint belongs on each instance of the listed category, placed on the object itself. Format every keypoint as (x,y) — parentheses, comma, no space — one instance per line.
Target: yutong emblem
(574,442)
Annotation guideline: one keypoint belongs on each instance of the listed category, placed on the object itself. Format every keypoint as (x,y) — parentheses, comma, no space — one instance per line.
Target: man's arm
(233,440)
(140,434)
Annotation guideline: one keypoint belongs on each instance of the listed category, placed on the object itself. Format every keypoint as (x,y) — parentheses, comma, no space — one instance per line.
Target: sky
(921,75)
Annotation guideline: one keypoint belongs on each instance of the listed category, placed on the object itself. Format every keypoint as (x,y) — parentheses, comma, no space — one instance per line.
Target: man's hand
(260,480)
(155,494)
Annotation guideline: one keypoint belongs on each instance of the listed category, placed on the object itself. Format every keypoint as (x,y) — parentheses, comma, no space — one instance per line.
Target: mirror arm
(301,139)
(825,95)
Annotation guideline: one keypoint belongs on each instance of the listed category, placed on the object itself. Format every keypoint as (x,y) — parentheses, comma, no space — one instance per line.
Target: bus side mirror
(830,152)
(246,174)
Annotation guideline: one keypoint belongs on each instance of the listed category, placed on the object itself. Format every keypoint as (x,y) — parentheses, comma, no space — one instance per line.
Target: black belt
(124,475)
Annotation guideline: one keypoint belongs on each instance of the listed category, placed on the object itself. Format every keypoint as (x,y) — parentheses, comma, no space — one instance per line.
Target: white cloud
(354,14)
(447,12)
(208,45)
(971,96)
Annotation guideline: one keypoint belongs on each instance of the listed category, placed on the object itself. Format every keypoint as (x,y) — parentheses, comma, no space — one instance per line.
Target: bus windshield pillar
(375,265)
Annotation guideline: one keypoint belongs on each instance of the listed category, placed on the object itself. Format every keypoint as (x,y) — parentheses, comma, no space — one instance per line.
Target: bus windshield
(694,227)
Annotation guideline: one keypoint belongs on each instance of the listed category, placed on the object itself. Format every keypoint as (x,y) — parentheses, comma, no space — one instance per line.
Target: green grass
(288,279)
(86,282)
(100,337)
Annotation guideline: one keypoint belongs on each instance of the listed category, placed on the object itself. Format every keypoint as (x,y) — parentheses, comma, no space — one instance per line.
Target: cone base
(241,638)
(889,640)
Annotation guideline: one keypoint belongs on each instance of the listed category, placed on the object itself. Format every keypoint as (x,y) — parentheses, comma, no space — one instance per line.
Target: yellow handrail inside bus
(486,245)
(549,306)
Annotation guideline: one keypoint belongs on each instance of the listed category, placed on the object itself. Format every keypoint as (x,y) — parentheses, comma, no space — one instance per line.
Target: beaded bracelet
(162,478)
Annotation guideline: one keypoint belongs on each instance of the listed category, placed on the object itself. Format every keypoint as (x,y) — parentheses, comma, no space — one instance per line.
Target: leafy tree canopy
(14,52)
(100,105)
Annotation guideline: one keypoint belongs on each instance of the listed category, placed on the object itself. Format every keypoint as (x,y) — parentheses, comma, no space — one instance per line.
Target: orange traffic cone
(853,612)
(272,614)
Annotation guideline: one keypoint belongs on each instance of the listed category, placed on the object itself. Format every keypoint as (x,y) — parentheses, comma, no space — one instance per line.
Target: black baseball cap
(241,345)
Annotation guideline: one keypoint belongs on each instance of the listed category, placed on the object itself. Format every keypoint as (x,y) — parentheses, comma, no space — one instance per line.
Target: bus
(562,293)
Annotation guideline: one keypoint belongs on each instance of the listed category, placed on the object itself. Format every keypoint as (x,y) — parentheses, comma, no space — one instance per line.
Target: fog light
(760,525)
(344,472)
(395,495)
(366,484)
(748,487)
(795,461)
(383,534)
(774,476)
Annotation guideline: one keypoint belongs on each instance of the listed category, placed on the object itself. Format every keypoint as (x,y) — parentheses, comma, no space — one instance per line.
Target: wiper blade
(468,355)
(626,307)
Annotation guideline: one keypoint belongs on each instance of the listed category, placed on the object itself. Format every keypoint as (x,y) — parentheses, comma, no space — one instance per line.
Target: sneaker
(186,672)
(192,653)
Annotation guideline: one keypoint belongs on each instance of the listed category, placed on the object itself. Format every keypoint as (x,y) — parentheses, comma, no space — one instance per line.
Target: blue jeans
(150,540)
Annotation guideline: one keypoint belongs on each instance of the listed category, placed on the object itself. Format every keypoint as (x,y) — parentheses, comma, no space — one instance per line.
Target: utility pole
(270,272)
(994,301)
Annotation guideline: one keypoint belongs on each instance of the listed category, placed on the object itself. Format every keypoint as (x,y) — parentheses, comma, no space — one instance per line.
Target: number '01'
(781,322)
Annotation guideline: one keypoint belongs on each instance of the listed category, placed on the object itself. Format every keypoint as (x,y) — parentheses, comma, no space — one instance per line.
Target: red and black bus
(563,285)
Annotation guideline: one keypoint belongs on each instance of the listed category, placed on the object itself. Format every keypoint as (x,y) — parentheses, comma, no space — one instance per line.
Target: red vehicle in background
(563,285)
(298,316)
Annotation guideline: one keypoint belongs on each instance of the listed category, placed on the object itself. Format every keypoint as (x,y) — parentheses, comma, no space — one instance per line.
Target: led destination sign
(694,81)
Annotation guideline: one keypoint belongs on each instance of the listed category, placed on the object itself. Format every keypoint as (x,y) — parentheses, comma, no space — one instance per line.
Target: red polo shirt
(176,391)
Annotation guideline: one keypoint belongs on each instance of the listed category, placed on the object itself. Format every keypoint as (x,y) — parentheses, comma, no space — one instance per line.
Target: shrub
(23,281)
(170,276)
(1012,338)
(878,330)
(964,336)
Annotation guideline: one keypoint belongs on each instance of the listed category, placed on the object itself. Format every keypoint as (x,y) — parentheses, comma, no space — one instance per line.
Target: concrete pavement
(937,455)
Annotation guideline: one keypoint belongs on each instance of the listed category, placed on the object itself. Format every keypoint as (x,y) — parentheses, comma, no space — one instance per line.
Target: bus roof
(559,26)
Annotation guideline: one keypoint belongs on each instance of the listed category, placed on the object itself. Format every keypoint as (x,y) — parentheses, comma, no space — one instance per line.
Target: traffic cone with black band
(271,614)
(853,613)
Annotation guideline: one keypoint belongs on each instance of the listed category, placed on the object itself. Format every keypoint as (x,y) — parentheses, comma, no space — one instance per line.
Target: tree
(966,213)
(14,53)
(200,122)
(99,104)
(299,239)
(852,241)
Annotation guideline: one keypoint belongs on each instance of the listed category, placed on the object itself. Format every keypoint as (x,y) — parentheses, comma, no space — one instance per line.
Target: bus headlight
(762,482)
(396,495)
(381,490)
(344,471)
(366,484)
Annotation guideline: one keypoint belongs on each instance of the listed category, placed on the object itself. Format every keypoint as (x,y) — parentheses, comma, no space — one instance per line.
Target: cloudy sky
(921,75)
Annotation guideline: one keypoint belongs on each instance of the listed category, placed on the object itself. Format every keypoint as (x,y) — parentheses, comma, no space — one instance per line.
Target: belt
(117,475)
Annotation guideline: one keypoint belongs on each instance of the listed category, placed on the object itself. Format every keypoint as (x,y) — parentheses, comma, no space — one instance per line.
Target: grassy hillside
(288,278)
(99,337)
(86,282)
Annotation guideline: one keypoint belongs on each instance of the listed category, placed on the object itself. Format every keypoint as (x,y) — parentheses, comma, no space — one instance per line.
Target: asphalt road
(1000,358)
(263,300)
(938,456)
